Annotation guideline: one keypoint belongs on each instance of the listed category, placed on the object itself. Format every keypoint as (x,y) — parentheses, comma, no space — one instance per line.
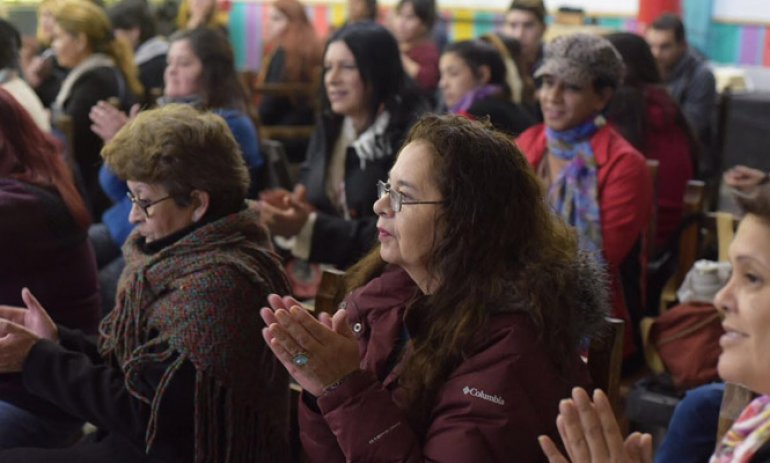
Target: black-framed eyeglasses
(145,204)
(397,198)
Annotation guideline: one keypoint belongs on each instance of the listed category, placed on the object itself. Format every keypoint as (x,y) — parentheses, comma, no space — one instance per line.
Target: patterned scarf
(197,300)
(574,194)
(747,435)
(473,96)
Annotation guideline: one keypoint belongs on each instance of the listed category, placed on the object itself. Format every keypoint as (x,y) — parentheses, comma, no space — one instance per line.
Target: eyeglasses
(396,198)
(145,204)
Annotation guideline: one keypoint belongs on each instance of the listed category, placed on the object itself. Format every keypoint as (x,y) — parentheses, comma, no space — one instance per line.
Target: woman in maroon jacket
(44,247)
(466,322)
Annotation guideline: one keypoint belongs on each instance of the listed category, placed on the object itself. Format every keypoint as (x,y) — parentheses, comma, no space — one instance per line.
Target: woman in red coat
(596,181)
(646,115)
(465,323)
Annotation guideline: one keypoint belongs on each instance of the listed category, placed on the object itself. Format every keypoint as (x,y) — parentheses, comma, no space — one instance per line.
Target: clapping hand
(285,213)
(317,353)
(20,329)
(591,434)
(107,120)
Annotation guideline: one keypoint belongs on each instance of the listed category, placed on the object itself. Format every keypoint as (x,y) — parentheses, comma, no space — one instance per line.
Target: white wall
(623,7)
(742,10)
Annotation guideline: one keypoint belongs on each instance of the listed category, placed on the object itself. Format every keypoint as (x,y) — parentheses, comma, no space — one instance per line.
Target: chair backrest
(255,89)
(277,167)
(605,358)
(331,291)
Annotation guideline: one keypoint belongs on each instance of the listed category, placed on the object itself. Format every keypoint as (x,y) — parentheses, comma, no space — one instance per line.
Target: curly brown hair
(184,150)
(500,249)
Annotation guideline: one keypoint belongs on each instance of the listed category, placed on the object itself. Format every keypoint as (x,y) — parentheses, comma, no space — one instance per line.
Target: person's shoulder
(531,142)
(610,147)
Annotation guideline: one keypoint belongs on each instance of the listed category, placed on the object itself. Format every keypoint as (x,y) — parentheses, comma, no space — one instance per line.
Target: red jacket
(669,144)
(491,408)
(625,200)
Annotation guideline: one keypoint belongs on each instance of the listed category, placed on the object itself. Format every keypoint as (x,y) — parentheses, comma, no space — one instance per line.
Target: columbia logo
(483,395)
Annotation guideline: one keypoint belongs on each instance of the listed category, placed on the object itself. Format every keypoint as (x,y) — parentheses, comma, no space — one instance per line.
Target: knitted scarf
(574,194)
(197,300)
(749,432)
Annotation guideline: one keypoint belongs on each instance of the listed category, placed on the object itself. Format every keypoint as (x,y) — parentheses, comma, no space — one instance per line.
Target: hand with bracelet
(316,353)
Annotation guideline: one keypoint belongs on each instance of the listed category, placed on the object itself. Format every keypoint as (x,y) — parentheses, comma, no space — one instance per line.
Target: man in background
(525,22)
(690,82)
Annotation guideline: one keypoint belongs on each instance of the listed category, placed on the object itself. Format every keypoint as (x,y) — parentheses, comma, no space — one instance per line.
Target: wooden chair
(605,358)
(255,89)
(331,291)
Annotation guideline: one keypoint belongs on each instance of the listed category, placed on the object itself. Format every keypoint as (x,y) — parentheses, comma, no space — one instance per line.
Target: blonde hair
(217,19)
(45,6)
(81,16)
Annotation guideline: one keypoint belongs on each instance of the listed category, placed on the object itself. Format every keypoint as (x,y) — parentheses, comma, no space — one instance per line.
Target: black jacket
(74,376)
(100,83)
(338,241)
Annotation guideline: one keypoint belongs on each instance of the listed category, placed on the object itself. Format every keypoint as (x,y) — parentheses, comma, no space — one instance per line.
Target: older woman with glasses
(464,323)
(170,378)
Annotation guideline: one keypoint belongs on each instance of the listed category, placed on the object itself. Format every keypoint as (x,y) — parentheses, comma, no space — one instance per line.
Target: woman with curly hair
(463,327)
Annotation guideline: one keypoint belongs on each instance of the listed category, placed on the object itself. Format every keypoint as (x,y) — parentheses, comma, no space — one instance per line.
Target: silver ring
(301,359)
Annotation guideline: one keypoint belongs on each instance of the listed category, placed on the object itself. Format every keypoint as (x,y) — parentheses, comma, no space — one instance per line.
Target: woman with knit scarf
(175,375)
(745,304)
(596,181)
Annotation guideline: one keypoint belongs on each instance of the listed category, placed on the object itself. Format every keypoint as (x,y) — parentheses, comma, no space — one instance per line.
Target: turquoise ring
(300,359)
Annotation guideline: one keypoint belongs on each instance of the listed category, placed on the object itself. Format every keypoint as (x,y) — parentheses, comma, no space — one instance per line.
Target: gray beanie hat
(581,58)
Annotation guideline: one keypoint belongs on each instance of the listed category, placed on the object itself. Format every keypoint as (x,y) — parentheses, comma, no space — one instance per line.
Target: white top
(29,100)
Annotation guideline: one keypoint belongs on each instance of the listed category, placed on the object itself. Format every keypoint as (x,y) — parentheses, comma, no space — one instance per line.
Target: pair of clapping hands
(20,329)
(591,435)
(283,212)
(319,353)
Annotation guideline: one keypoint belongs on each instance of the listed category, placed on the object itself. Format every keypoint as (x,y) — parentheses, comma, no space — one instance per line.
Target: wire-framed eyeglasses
(397,198)
(145,204)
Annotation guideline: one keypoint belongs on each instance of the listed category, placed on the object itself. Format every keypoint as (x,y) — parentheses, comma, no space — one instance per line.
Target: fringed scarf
(574,193)
(747,435)
(189,300)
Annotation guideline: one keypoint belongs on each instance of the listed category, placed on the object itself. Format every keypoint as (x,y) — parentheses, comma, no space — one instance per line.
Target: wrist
(335,384)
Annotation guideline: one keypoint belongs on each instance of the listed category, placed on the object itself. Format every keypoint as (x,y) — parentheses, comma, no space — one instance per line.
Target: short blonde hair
(184,150)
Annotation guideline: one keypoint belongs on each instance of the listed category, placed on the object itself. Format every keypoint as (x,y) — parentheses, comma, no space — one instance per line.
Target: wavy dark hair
(379,64)
(30,155)
(129,14)
(628,107)
(477,53)
(500,249)
(425,10)
(221,86)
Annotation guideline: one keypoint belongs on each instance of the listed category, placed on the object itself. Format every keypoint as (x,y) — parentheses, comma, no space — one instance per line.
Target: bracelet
(338,383)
